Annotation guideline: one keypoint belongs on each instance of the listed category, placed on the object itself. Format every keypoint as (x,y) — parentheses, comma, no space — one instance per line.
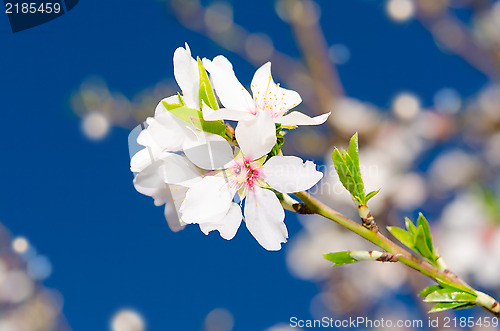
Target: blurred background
(80,249)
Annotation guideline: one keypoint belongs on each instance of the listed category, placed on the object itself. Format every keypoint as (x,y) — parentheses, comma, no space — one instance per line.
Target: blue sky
(74,199)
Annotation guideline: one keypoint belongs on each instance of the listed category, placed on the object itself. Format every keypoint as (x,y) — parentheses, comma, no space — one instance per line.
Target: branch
(312,205)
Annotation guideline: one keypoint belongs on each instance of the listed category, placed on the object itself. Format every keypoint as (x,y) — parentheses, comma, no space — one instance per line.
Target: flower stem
(315,206)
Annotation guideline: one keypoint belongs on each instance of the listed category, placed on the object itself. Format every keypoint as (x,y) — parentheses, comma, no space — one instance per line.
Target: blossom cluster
(206,172)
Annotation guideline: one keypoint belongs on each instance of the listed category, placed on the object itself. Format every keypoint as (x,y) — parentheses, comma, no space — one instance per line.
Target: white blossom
(210,201)
(270,102)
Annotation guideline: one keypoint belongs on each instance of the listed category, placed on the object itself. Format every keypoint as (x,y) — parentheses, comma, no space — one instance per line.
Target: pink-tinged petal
(264,217)
(207,150)
(257,136)
(296,118)
(225,114)
(187,76)
(288,174)
(228,88)
(268,95)
(228,225)
(209,199)
(177,169)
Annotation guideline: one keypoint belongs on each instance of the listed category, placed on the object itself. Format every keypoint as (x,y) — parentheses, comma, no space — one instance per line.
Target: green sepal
(340,258)
(181,102)
(206,93)
(280,140)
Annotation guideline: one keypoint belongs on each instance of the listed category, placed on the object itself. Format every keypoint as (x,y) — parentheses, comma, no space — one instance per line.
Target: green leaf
(445,283)
(343,171)
(354,150)
(422,221)
(418,238)
(467,305)
(195,117)
(450,295)
(359,187)
(340,258)
(421,244)
(404,237)
(410,227)
(346,164)
(347,173)
(172,106)
(206,93)
(447,305)
(371,195)
(428,290)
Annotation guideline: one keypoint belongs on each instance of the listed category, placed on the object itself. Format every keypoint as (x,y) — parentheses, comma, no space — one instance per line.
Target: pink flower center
(246,175)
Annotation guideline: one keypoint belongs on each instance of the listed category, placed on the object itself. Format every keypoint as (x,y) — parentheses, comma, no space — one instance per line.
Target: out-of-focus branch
(304,19)
(450,32)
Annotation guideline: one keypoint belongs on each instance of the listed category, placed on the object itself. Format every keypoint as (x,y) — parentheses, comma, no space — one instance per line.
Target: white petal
(207,150)
(225,114)
(177,169)
(167,130)
(288,174)
(296,118)
(229,90)
(262,80)
(187,76)
(268,95)
(257,136)
(143,158)
(210,198)
(149,182)
(264,217)
(228,225)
